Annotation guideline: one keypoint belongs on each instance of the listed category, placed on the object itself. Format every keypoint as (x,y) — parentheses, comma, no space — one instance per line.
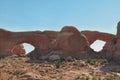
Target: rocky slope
(20,68)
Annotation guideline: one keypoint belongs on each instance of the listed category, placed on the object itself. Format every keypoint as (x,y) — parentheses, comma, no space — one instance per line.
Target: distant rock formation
(66,43)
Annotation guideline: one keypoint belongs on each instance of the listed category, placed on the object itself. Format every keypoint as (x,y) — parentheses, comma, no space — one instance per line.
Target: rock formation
(8,40)
(91,36)
(51,34)
(95,35)
(67,43)
(118,29)
(18,50)
(112,49)
(116,45)
(72,43)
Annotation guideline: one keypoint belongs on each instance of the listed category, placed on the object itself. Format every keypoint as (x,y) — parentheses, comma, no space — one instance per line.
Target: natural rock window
(97,45)
(28,47)
(23,48)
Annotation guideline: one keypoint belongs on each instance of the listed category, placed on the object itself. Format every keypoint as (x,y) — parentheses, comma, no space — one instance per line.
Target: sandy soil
(20,68)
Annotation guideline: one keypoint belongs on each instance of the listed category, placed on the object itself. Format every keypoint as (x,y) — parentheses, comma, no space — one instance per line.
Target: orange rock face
(90,35)
(95,35)
(67,42)
(116,45)
(72,43)
(112,49)
(118,29)
(51,34)
(9,40)
(19,49)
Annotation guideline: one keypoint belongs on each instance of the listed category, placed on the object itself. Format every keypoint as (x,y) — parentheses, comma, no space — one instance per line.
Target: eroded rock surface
(69,42)
(95,35)
(19,50)
(91,36)
(72,43)
(8,40)
(112,49)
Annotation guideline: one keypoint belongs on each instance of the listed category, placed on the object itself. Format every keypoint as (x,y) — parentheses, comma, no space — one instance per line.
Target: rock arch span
(68,40)
(96,35)
(10,39)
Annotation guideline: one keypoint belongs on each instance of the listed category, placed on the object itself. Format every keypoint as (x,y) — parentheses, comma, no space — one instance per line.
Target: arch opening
(97,45)
(28,47)
(23,48)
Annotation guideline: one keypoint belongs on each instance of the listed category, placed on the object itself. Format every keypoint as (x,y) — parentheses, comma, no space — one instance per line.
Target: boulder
(72,43)
(69,29)
(9,40)
(54,57)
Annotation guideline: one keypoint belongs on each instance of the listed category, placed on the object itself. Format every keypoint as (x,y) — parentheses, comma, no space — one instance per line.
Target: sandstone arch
(98,45)
(69,41)
(51,34)
(95,35)
(10,39)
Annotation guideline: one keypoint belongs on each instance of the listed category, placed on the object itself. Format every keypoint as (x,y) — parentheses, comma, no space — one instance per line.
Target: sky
(30,15)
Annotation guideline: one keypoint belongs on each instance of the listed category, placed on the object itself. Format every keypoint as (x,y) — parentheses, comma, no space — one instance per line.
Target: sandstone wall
(96,35)
(67,42)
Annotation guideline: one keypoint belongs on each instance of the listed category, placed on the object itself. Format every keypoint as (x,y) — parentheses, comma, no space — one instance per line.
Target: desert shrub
(77,77)
(94,61)
(90,61)
(57,65)
(118,70)
(113,77)
(2,57)
(31,78)
(11,78)
(103,61)
(94,78)
(19,72)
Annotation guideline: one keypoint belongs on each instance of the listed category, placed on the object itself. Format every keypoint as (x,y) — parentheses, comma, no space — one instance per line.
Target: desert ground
(22,68)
